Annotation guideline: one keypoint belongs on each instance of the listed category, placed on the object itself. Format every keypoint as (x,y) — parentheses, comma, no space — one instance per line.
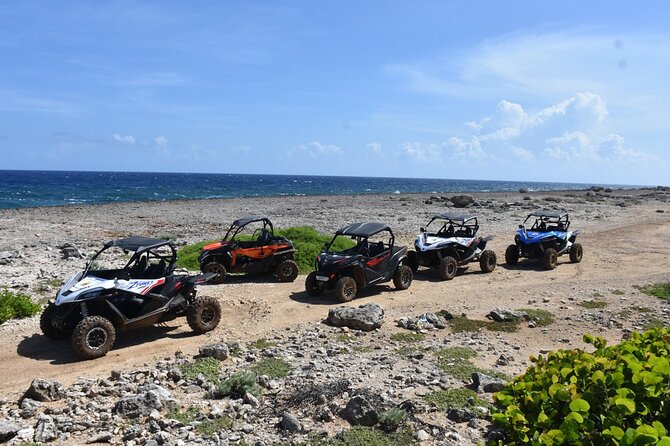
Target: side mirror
(422,229)
(520,226)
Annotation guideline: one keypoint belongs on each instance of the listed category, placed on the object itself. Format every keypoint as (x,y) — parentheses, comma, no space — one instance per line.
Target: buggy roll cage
(240,223)
(467,223)
(361,232)
(139,246)
(546,221)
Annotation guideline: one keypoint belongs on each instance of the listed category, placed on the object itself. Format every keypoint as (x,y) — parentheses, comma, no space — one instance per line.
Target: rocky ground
(311,379)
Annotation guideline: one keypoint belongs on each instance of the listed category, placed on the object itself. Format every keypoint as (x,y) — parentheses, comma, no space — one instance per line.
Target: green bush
(617,395)
(392,419)
(660,290)
(239,384)
(273,367)
(16,306)
(308,243)
(209,367)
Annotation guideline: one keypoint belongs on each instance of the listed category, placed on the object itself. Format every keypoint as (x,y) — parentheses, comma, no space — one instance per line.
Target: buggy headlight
(95,292)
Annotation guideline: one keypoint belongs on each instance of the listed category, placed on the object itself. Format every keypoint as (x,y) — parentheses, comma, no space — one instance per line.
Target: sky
(568,91)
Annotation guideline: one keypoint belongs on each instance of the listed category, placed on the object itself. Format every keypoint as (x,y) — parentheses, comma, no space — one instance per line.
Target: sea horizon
(37,188)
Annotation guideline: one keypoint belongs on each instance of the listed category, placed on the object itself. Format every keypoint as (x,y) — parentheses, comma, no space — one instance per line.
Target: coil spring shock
(84,309)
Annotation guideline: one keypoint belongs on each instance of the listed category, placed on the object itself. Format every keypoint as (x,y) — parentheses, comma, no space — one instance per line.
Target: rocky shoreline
(431,362)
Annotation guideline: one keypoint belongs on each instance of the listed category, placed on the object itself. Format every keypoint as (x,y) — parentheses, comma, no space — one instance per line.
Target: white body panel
(78,287)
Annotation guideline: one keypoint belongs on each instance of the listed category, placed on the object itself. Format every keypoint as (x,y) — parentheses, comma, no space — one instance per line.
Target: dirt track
(617,258)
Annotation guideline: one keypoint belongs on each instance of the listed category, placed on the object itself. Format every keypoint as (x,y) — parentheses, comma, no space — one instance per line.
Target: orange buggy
(263,253)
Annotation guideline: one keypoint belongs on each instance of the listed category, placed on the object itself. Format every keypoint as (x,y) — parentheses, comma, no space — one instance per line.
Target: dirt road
(615,261)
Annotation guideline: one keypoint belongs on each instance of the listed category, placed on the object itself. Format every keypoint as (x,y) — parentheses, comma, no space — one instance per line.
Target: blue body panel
(530,237)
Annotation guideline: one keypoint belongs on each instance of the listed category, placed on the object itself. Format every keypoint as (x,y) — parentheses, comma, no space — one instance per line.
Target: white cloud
(375,148)
(524,155)
(161,141)
(315,150)
(129,139)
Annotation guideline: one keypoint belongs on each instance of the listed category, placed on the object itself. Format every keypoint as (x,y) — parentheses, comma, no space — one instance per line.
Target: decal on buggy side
(141,286)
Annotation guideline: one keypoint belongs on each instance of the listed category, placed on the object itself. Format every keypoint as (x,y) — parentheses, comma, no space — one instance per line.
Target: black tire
(345,289)
(93,337)
(203,314)
(217,268)
(488,261)
(550,258)
(402,277)
(447,268)
(576,253)
(512,255)
(413,260)
(286,271)
(46,324)
(312,286)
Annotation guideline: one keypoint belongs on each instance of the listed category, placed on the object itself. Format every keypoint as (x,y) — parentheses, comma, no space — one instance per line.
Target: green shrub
(541,317)
(460,324)
(455,398)
(307,241)
(392,419)
(592,304)
(16,306)
(210,367)
(209,427)
(185,417)
(239,384)
(617,395)
(408,338)
(272,367)
(660,290)
(261,344)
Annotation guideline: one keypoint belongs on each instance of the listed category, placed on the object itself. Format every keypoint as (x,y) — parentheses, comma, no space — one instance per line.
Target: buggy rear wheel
(512,255)
(488,261)
(93,337)
(447,268)
(550,258)
(345,289)
(203,314)
(312,286)
(286,271)
(402,278)
(576,253)
(46,324)
(217,268)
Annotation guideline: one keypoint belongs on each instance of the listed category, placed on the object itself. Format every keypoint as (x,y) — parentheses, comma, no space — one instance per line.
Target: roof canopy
(138,243)
(548,214)
(363,229)
(454,217)
(246,220)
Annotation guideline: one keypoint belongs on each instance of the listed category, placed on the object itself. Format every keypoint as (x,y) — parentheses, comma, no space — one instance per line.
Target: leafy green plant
(16,306)
(209,367)
(273,367)
(308,243)
(615,395)
(239,384)
(660,290)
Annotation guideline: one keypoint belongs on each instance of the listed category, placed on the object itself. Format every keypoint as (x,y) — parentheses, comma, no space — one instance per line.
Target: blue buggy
(548,238)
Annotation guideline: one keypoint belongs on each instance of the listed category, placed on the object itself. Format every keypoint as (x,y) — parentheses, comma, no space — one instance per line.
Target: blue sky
(515,90)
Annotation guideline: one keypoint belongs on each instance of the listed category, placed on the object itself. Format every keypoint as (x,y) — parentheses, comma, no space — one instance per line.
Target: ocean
(27,188)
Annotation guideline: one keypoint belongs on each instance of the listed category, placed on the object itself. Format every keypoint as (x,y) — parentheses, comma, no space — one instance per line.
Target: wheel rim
(404,278)
(96,338)
(286,270)
(348,290)
(450,269)
(208,315)
(213,268)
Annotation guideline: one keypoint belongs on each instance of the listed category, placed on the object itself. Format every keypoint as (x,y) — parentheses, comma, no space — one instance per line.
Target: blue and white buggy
(548,238)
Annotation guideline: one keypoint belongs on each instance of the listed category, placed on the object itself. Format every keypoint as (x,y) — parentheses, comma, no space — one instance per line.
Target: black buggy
(127,284)
(374,259)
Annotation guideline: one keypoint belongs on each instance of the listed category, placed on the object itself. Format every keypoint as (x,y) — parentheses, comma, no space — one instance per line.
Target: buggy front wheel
(312,286)
(550,258)
(203,314)
(402,278)
(576,253)
(286,271)
(93,337)
(512,255)
(46,324)
(488,261)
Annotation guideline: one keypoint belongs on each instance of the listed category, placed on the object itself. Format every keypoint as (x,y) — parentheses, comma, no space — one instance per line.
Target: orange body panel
(257,253)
